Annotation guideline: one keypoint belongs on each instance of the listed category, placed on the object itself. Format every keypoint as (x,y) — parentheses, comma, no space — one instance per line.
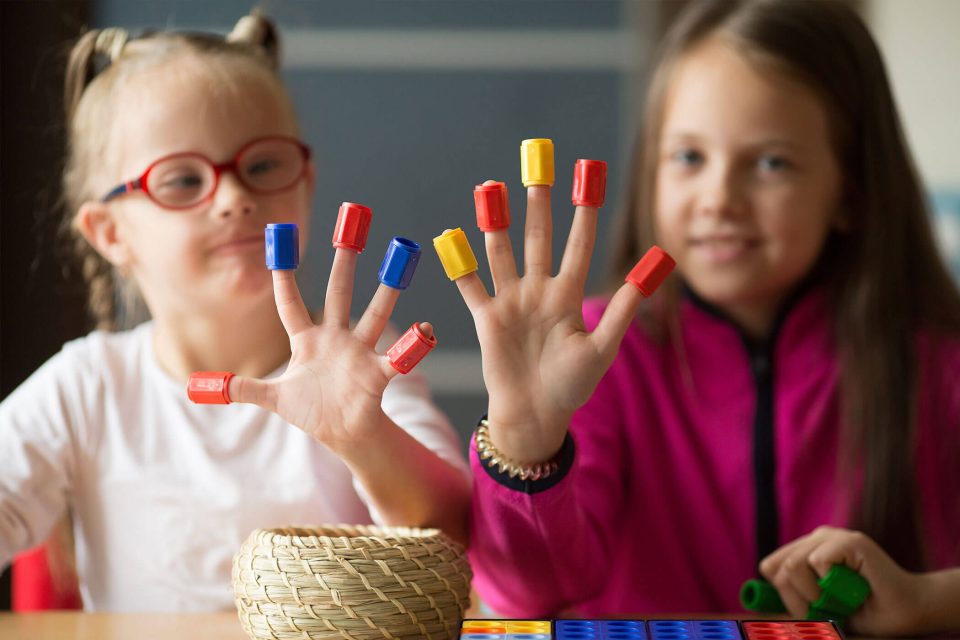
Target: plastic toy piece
(399,263)
(761,596)
(209,387)
(790,630)
(455,253)
(536,162)
(282,244)
(353,224)
(651,271)
(843,590)
(694,629)
(599,629)
(493,206)
(506,629)
(410,349)
(589,183)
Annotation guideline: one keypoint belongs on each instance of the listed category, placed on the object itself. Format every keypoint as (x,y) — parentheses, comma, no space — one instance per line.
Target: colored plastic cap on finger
(209,387)
(536,162)
(651,271)
(399,263)
(282,245)
(410,349)
(353,224)
(493,206)
(455,253)
(589,183)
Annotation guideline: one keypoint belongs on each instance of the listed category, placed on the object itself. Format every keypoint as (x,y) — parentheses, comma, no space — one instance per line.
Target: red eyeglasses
(183,180)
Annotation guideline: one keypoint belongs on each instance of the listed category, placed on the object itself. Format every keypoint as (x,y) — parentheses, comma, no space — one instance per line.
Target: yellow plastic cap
(536,161)
(455,253)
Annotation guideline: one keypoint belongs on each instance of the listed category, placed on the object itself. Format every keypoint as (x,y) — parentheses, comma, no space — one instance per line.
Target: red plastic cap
(209,387)
(589,183)
(651,271)
(493,206)
(353,224)
(410,349)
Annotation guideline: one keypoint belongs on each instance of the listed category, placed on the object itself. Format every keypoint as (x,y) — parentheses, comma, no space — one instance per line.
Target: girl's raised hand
(333,386)
(539,362)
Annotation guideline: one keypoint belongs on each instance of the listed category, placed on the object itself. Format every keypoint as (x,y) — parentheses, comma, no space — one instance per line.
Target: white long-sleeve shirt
(163,491)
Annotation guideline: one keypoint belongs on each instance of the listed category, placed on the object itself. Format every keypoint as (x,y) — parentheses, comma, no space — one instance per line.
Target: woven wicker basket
(350,582)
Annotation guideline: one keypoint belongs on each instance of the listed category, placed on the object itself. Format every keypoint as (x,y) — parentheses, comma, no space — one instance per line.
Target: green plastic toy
(842,591)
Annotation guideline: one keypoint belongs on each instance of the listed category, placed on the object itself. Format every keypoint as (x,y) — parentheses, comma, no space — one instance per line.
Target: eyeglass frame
(140,183)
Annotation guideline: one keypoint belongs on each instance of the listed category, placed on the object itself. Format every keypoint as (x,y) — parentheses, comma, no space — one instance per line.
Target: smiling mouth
(241,244)
(720,249)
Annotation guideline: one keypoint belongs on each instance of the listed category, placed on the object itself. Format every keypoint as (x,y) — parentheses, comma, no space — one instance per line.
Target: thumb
(222,387)
(253,391)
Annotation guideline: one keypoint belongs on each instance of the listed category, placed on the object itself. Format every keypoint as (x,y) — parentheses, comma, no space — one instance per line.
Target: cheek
(668,217)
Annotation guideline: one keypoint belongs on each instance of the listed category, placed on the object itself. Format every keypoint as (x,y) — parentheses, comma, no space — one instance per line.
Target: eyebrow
(760,142)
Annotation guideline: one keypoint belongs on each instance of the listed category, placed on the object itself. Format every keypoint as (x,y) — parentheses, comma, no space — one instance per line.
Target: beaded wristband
(489,453)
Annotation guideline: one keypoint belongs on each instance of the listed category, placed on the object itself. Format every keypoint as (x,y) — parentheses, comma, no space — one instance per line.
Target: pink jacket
(658,512)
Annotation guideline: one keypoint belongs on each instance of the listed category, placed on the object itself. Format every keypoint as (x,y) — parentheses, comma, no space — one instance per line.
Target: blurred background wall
(408,104)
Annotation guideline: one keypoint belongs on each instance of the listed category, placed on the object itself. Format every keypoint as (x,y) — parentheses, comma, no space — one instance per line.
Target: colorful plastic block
(790,630)
(589,183)
(506,630)
(353,225)
(282,246)
(399,263)
(761,596)
(410,349)
(493,206)
(693,630)
(651,271)
(455,253)
(599,630)
(843,590)
(536,162)
(209,387)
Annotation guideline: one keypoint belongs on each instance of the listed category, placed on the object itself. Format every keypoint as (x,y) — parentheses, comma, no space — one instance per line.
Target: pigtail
(258,31)
(94,51)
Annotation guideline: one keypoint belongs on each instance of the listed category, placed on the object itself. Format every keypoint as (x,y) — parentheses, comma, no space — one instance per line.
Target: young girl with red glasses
(182,148)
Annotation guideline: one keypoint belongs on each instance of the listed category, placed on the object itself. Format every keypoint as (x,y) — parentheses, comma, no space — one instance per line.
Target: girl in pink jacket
(788,401)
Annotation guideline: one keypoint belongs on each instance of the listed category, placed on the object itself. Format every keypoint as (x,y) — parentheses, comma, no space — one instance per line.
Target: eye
(687,157)
(773,163)
(261,166)
(181,181)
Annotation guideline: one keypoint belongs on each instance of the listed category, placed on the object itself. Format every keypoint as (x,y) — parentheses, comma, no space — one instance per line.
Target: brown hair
(101,61)
(886,280)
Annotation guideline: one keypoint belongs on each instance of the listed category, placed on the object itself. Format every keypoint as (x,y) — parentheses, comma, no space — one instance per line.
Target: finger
(412,347)
(538,232)
(493,218)
(839,549)
(473,291)
(253,391)
(374,319)
(293,312)
(800,576)
(579,250)
(616,319)
(794,602)
(336,306)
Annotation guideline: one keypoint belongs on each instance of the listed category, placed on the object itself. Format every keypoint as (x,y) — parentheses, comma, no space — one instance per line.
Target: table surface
(77,625)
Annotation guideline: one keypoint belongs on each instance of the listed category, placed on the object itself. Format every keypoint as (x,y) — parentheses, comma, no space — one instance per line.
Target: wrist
(527,442)
(527,478)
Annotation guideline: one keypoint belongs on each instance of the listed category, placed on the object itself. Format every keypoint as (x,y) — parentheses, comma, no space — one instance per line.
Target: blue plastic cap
(399,263)
(282,246)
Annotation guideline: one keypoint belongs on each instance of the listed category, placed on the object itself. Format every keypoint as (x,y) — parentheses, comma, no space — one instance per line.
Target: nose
(722,191)
(232,198)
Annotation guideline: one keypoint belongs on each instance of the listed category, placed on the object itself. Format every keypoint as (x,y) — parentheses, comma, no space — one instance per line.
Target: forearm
(548,536)
(408,484)
(942,596)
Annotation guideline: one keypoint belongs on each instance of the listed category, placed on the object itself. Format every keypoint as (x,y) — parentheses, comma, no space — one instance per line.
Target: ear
(98,224)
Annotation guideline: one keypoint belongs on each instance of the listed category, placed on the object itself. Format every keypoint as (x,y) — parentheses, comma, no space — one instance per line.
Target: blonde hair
(101,62)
